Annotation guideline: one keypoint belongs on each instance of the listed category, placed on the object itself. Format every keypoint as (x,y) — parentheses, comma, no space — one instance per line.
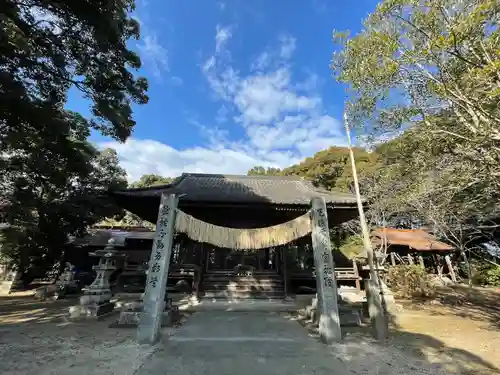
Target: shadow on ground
(478,304)
(21,310)
(419,350)
(433,350)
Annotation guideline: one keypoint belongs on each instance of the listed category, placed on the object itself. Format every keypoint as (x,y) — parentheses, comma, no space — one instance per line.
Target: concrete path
(243,343)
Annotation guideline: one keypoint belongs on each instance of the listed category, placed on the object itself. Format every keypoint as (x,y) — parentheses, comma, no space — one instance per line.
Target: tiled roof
(416,239)
(242,189)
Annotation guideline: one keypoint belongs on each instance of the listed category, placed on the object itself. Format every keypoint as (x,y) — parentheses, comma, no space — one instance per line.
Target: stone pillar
(96,300)
(329,321)
(148,331)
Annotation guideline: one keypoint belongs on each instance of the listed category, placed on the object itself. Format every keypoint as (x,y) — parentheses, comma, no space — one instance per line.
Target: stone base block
(91,311)
(44,292)
(95,299)
(131,318)
(348,318)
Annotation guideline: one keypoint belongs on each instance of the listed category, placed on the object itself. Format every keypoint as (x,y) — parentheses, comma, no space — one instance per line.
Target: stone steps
(223,285)
(242,277)
(243,287)
(243,294)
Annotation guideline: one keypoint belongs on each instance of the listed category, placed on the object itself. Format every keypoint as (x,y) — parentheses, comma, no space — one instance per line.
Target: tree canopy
(431,71)
(51,177)
(330,169)
(128,219)
(148,180)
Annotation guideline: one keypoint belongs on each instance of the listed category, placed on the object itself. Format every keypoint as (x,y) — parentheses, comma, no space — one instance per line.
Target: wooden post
(421,261)
(410,259)
(285,269)
(439,266)
(356,271)
(326,285)
(375,294)
(148,330)
(393,258)
(450,268)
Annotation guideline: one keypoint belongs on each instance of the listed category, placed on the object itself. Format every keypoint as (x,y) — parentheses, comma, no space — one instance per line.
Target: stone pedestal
(95,301)
(348,315)
(377,308)
(94,310)
(130,315)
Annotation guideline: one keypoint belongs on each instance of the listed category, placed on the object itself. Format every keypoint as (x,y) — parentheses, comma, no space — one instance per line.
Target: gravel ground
(35,338)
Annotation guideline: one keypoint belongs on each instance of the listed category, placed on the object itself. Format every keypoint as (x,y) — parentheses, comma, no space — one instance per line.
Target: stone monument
(329,320)
(66,283)
(96,300)
(151,317)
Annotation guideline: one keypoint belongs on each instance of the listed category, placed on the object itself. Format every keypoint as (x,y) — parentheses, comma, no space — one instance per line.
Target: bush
(486,274)
(352,246)
(408,281)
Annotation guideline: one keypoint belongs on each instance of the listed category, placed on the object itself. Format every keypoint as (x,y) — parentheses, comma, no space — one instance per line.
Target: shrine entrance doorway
(218,259)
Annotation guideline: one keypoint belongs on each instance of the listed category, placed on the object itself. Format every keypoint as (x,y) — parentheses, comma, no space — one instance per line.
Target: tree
(261,171)
(49,46)
(329,169)
(148,180)
(129,219)
(51,178)
(45,203)
(432,68)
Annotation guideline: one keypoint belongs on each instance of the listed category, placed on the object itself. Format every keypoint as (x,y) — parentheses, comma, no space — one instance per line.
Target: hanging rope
(242,239)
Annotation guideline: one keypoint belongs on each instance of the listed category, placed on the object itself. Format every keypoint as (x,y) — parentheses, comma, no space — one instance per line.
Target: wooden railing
(341,274)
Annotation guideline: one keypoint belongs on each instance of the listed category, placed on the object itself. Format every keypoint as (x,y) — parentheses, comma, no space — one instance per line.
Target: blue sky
(234,84)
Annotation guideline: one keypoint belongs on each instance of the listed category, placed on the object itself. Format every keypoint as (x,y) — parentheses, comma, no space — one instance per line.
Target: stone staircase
(255,285)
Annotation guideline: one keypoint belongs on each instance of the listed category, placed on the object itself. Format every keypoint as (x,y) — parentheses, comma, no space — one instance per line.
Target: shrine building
(219,204)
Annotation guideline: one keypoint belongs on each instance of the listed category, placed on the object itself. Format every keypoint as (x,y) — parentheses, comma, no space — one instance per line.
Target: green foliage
(431,70)
(429,81)
(49,46)
(148,180)
(128,219)
(486,274)
(329,169)
(352,246)
(261,171)
(493,276)
(52,179)
(45,202)
(408,281)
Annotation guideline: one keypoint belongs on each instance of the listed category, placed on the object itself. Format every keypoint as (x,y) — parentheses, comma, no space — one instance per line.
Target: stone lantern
(96,300)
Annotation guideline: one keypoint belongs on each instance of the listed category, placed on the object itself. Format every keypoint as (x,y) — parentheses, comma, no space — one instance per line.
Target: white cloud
(222,35)
(139,157)
(287,46)
(282,119)
(154,55)
(262,62)
(263,99)
(276,112)
(46,19)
